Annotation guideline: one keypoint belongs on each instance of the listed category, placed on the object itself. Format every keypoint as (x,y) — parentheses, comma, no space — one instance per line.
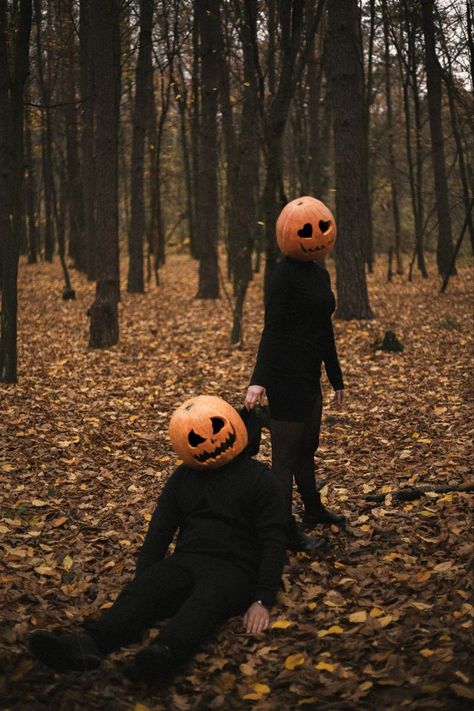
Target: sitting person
(228,557)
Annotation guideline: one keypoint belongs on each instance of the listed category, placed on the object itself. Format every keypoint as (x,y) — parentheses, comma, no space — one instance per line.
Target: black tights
(293,447)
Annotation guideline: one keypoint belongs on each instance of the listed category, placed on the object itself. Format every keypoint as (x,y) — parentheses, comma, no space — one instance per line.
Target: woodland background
(146,149)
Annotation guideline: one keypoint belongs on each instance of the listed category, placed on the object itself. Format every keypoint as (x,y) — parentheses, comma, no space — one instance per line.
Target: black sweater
(233,514)
(298,334)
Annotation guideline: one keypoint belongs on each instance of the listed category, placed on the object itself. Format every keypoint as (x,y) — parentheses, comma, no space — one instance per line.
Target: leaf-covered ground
(382,622)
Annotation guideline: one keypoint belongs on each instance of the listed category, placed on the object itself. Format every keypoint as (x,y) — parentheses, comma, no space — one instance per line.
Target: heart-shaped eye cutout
(324,226)
(194,439)
(217,424)
(307,230)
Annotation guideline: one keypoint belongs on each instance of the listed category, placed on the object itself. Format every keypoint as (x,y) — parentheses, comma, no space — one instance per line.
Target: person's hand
(338,401)
(255,396)
(256,619)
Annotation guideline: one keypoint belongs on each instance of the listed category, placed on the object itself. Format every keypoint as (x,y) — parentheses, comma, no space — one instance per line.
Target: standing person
(228,558)
(297,338)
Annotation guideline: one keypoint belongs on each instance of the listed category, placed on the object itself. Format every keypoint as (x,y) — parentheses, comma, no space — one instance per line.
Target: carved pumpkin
(206,432)
(306,229)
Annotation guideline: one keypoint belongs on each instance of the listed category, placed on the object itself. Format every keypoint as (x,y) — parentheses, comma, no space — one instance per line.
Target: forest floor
(383,621)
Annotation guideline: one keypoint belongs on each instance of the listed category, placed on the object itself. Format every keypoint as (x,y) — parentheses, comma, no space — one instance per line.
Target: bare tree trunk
(347,95)
(391,151)
(87,172)
(463,172)
(433,77)
(13,73)
(367,167)
(143,73)
(69,96)
(104,327)
(31,199)
(208,158)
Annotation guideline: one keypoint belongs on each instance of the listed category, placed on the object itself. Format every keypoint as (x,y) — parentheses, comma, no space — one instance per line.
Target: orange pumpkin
(206,432)
(306,229)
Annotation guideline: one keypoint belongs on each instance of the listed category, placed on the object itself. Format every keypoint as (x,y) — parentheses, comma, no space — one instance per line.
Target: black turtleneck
(298,335)
(233,513)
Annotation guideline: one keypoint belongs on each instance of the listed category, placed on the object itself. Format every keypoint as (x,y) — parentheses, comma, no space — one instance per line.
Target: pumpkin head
(306,229)
(206,432)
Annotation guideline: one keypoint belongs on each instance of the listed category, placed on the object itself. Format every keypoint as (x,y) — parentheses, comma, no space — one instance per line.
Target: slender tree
(433,78)
(347,95)
(104,326)
(13,73)
(208,215)
(143,73)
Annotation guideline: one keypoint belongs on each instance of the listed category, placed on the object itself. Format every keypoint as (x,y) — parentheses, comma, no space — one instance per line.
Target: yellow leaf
(366,685)
(58,521)
(384,621)
(420,605)
(39,502)
(67,562)
(335,629)
(423,576)
(294,660)
(312,605)
(426,652)
(252,697)
(376,612)
(427,514)
(464,691)
(261,688)
(360,616)
(324,666)
(141,707)
(7,467)
(281,624)
(44,570)
(386,489)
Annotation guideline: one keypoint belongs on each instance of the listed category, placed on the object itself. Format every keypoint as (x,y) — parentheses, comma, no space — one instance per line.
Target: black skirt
(292,399)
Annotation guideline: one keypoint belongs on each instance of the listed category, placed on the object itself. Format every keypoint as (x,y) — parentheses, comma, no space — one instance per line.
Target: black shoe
(327,518)
(299,542)
(65,652)
(154,663)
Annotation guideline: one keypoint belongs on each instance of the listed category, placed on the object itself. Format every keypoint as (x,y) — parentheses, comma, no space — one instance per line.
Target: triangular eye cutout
(194,439)
(324,226)
(217,424)
(307,230)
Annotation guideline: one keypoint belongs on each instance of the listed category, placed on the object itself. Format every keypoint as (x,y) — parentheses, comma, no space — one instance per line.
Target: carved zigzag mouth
(314,249)
(229,442)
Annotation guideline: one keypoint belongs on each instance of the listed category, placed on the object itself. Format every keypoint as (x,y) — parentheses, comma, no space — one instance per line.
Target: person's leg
(221,591)
(155,594)
(287,438)
(315,512)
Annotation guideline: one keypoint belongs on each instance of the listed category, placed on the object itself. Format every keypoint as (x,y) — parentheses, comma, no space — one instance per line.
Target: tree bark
(104,326)
(208,157)
(393,173)
(347,95)
(13,73)
(144,69)
(433,78)
(87,170)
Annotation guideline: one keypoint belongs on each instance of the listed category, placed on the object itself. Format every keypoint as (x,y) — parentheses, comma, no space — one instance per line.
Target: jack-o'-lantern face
(206,432)
(306,229)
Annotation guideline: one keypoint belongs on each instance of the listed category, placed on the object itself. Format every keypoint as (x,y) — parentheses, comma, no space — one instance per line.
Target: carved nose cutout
(324,226)
(307,230)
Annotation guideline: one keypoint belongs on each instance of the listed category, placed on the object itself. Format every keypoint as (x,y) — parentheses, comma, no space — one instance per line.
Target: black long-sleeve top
(233,513)
(298,335)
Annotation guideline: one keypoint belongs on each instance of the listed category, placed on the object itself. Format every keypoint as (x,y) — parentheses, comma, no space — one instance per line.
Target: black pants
(293,447)
(196,593)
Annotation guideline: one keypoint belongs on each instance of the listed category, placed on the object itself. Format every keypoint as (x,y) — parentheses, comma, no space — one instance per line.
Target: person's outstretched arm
(271,532)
